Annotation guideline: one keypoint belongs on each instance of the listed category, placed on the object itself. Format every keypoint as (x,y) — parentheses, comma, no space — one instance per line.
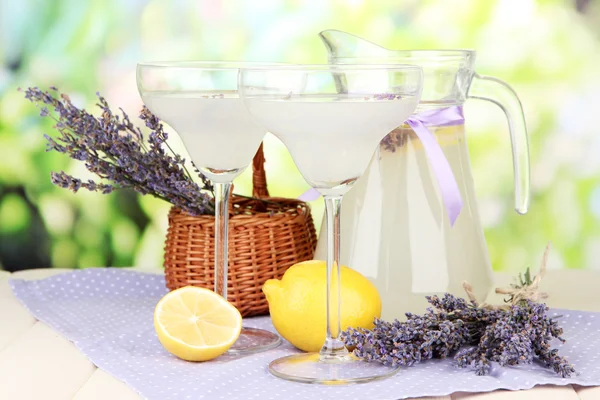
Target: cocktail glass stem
(251,340)
(333,350)
(222,191)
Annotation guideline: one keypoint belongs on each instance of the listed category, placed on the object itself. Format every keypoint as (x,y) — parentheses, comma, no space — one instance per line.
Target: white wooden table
(38,363)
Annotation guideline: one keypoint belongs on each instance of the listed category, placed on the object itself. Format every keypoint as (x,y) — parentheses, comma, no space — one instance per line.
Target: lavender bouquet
(476,334)
(117,152)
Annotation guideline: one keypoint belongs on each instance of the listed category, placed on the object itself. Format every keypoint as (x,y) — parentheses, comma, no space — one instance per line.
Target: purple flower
(117,152)
(387,96)
(476,336)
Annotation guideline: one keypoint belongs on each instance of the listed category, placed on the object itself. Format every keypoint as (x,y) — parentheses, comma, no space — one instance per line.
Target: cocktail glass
(200,101)
(331,131)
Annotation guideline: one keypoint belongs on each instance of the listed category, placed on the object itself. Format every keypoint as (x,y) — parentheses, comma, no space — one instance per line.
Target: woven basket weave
(265,239)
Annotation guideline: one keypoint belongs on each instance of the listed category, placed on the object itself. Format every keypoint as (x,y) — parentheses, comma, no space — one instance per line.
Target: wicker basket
(265,239)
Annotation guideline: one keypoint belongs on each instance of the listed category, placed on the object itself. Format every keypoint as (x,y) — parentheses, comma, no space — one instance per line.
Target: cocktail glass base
(252,340)
(308,368)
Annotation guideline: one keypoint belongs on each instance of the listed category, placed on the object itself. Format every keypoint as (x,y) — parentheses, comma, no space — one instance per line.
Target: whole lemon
(297,303)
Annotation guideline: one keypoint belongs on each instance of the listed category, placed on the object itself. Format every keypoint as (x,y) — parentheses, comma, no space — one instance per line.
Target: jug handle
(500,93)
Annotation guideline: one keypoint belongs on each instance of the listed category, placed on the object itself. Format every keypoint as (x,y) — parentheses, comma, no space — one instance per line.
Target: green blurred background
(548,50)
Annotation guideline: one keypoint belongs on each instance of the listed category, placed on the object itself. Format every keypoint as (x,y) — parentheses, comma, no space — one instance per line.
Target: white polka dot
(113,327)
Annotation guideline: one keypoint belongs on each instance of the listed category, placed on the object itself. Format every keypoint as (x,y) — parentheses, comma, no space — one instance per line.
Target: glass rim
(266,65)
(215,65)
(338,67)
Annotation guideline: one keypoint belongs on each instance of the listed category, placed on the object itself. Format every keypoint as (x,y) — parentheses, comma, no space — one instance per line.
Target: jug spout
(341,44)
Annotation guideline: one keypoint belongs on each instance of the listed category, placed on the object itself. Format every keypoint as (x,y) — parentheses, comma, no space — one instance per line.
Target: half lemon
(196,324)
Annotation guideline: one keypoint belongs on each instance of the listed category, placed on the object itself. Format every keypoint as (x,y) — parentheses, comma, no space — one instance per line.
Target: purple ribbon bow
(443,172)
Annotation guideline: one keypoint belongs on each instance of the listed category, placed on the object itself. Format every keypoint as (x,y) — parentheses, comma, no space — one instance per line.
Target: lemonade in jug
(411,223)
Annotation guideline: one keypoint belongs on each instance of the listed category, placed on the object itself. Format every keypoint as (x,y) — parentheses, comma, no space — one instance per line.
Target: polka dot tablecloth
(107,314)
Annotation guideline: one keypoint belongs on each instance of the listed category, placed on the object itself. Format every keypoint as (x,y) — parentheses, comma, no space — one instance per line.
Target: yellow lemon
(297,303)
(196,324)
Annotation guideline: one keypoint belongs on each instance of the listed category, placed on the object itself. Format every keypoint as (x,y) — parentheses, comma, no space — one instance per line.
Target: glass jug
(411,223)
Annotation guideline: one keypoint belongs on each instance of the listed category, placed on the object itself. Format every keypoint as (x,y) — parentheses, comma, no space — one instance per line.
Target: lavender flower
(396,139)
(68,182)
(387,96)
(420,338)
(509,336)
(523,332)
(115,150)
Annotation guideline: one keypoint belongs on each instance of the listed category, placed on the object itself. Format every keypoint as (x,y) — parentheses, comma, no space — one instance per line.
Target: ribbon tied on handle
(449,190)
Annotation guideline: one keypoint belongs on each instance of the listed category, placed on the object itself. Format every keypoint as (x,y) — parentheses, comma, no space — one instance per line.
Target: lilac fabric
(107,314)
(449,190)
